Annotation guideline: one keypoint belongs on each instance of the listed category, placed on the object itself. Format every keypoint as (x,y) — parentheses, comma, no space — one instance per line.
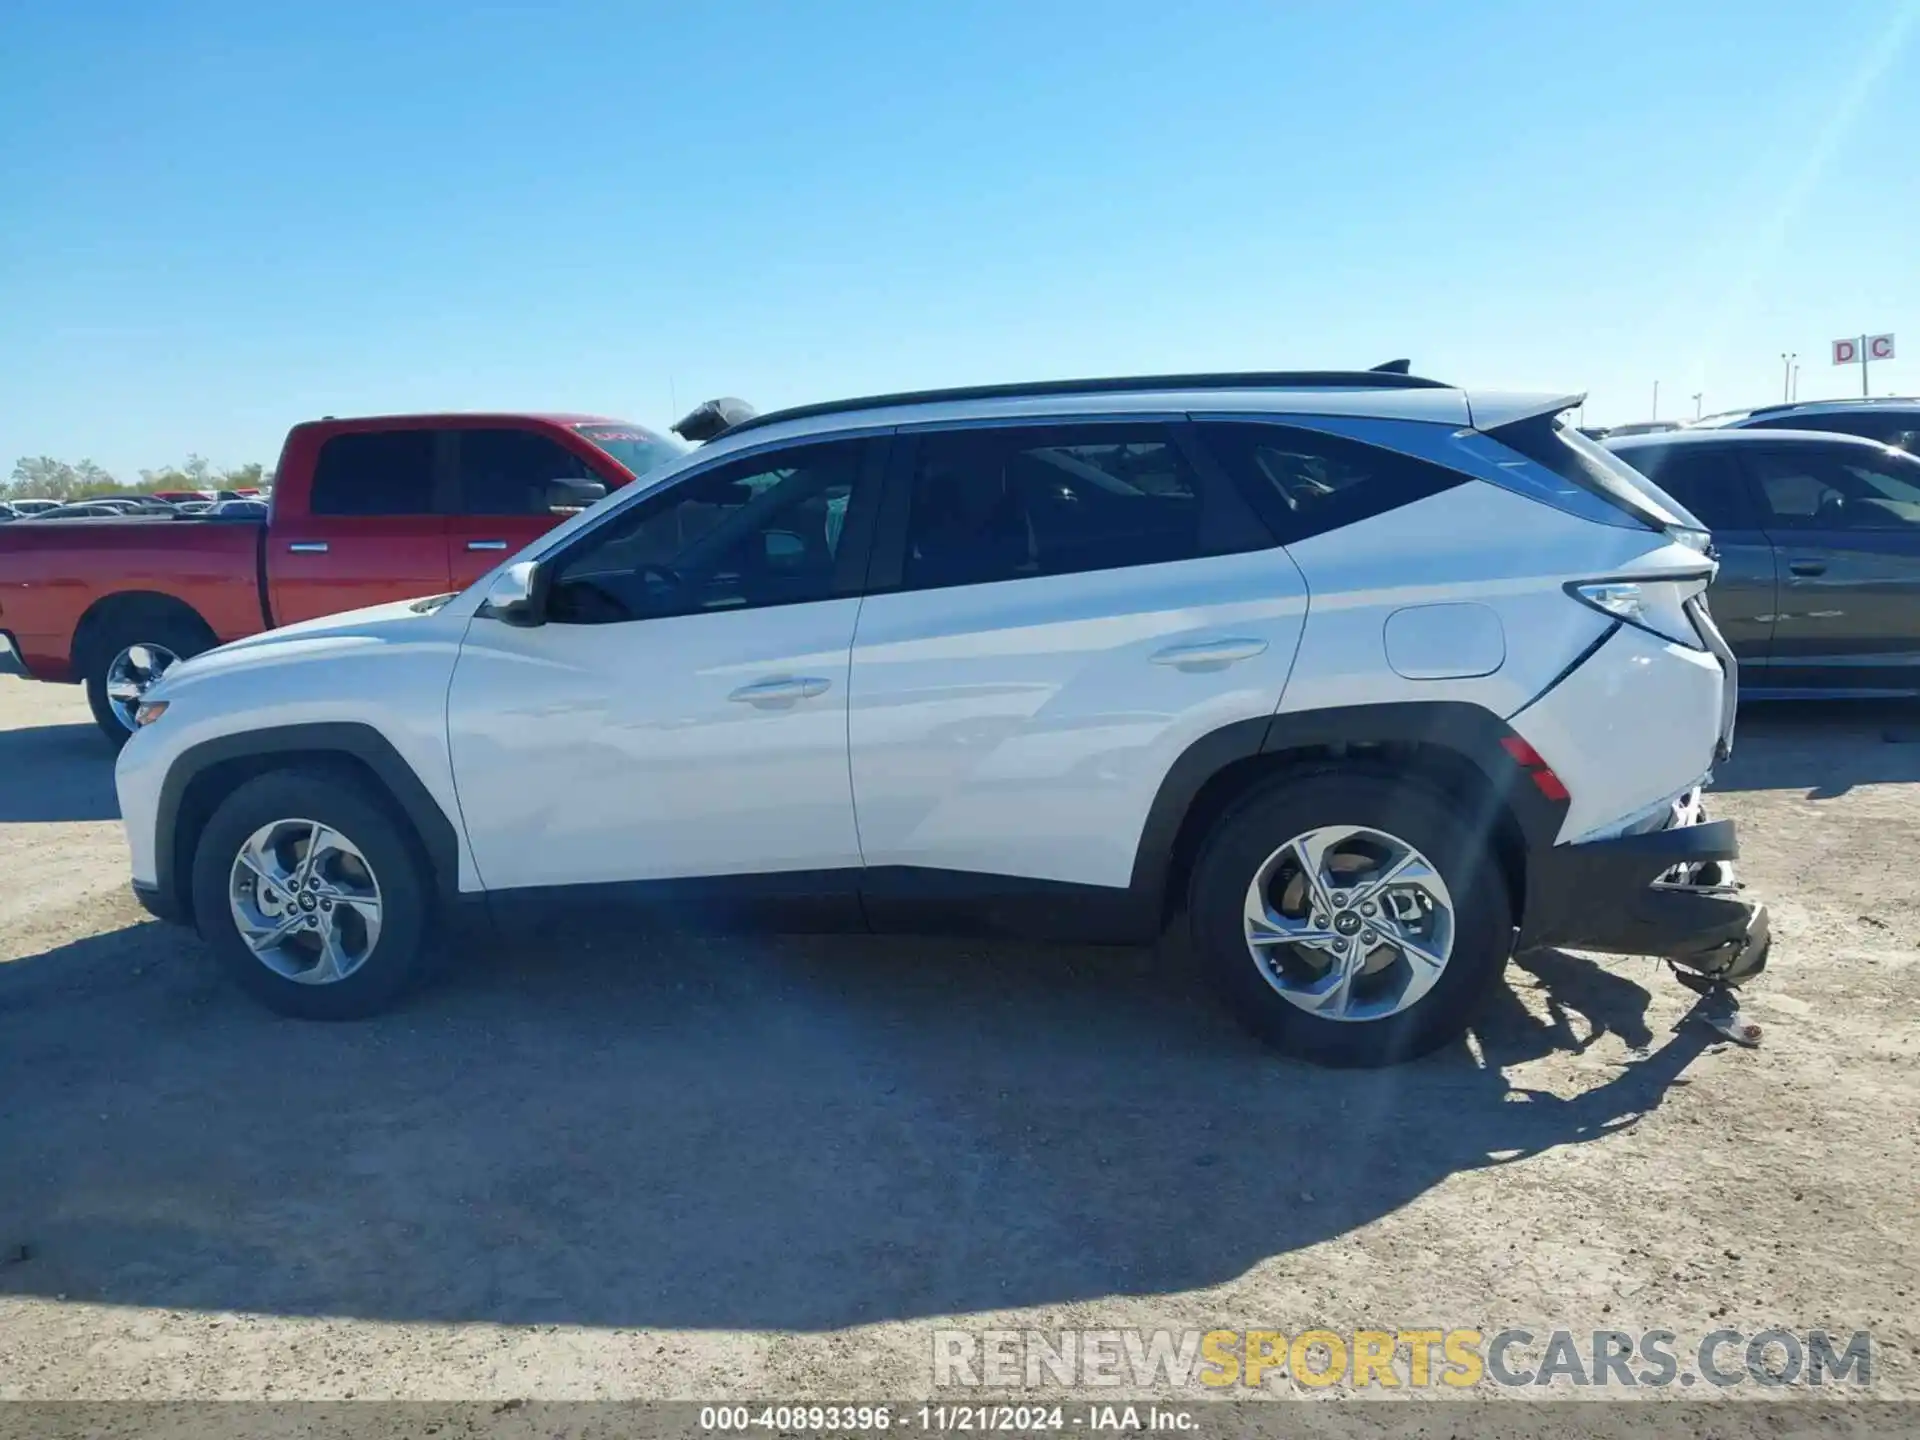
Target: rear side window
(1012,503)
(375,472)
(1304,483)
(506,471)
(1702,480)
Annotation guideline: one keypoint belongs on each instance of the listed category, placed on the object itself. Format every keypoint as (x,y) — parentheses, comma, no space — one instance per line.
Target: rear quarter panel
(53,571)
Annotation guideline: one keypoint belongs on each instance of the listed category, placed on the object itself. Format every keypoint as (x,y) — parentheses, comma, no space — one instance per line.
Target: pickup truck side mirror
(564,497)
(517,595)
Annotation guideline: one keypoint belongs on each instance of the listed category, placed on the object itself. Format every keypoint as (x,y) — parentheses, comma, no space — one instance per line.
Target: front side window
(374,472)
(1812,488)
(505,471)
(1012,503)
(764,531)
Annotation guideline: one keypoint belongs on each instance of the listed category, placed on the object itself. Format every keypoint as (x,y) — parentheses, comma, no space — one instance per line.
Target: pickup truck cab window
(375,472)
(506,471)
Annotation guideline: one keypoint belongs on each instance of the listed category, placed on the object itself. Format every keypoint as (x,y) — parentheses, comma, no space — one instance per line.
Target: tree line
(42,476)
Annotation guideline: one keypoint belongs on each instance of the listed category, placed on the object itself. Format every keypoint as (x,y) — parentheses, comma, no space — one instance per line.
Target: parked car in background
(1894,422)
(24,508)
(1296,656)
(1818,537)
(237,510)
(90,510)
(364,510)
(193,507)
(7,512)
(176,497)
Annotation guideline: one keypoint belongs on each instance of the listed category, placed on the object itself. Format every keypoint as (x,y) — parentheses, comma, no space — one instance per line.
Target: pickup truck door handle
(780,691)
(486,544)
(1807,568)
(1208,654)
(308,547)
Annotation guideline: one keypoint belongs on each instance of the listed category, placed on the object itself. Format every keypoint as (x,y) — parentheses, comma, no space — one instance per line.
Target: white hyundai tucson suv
(1371,679)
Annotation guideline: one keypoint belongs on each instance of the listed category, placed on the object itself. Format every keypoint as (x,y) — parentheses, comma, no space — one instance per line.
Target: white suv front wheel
(313,895)
(1350,917)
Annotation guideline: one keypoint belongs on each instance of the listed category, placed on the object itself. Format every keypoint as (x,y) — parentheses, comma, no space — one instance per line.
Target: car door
(1056,613)
(1845,521)
(366,530)
(676,729)
(1706,480)
(499,500)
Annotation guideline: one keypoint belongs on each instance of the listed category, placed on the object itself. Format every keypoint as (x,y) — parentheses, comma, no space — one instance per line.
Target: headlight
(148,711)
(1656,606)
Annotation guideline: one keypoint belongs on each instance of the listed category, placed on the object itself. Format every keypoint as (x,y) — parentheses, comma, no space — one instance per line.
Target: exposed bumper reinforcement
(1609,895)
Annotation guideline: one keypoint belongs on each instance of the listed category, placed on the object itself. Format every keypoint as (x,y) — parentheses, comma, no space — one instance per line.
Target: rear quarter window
(1304,482)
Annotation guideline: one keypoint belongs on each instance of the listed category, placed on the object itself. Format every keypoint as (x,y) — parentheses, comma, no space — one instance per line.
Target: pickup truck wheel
(1349,917)
(123,662)
(313,895)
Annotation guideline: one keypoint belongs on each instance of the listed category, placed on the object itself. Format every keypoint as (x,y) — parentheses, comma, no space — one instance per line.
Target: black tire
(185,637)
(1289,806)
(344,804)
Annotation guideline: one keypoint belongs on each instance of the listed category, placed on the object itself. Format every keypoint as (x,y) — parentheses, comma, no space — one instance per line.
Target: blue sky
(217,219)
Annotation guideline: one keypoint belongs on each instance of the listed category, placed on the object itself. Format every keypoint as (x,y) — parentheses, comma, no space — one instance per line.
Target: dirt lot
(706,1169)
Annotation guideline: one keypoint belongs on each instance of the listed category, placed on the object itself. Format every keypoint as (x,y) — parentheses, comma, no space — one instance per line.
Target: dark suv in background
(1891,422)
(1819,542)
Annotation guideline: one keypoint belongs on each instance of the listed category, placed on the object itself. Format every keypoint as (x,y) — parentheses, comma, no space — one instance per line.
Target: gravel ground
(691,1169)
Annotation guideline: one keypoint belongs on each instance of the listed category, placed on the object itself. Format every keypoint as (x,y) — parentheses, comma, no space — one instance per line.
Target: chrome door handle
(308,547)
(1208,654)
(780,691)
(1808,568)
(486,544)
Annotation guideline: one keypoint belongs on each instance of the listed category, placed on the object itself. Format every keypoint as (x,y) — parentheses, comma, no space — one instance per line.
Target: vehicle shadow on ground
(53,773)
(786,1134)
(1824,748)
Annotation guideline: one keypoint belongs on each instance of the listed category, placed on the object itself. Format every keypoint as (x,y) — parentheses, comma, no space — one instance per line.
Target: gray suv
(1818,536)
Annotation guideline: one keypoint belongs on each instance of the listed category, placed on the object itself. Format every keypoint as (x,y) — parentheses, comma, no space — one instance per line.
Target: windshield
(634,446)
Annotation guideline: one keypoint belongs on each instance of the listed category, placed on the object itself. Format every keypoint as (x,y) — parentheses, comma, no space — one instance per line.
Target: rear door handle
(1208,654)
(1808,567)
(486,544)
(780,691)
(308,547)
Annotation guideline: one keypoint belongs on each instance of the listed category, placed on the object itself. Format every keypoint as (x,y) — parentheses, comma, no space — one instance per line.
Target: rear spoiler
(713,419)
(1492,412)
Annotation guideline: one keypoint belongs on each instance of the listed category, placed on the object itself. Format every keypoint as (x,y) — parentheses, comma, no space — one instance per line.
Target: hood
(398,621)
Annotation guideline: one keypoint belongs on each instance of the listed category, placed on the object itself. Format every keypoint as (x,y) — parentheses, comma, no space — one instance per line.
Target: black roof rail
(1112,385)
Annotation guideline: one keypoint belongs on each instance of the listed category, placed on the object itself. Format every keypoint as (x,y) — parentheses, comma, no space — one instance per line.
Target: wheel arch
(98,619)
(1454,746)
(203,776)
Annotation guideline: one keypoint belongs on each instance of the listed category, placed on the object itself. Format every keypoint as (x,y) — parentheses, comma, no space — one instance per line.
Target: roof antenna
(1394,367)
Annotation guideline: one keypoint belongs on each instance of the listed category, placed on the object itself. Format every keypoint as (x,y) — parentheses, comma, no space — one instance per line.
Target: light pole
(1786,374)
(1793,387)
(1656,400)
(1696,403)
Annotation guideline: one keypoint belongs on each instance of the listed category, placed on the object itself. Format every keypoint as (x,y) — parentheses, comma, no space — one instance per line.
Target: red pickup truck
(363,511)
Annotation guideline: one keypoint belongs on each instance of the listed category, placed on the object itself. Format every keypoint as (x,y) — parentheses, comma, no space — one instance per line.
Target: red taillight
(1541,773)
(1549,784)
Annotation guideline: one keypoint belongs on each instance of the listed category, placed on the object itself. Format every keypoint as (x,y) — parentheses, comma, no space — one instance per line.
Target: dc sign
(1861,350)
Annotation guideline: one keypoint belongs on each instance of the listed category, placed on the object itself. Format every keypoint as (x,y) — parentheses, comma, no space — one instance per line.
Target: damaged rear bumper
(1668,893)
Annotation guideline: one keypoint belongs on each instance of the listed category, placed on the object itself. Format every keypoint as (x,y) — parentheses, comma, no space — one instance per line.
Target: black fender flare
(351,739)
(1474,734)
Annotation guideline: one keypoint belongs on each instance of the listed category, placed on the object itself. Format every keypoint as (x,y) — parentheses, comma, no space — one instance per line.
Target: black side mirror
(566,496)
